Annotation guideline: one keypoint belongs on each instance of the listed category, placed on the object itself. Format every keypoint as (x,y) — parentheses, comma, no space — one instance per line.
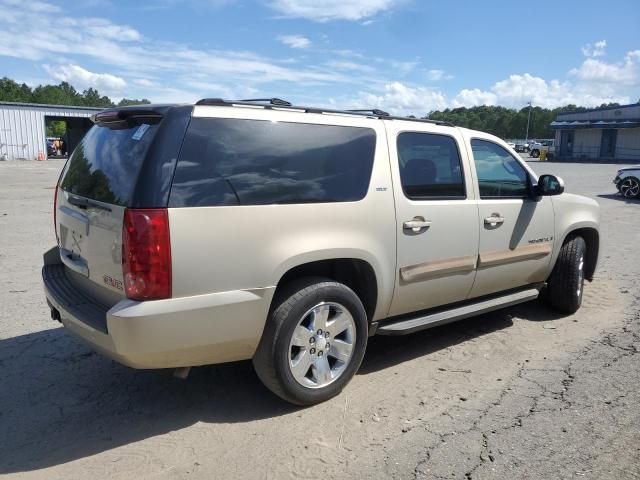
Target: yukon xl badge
(112,282)
(541,240)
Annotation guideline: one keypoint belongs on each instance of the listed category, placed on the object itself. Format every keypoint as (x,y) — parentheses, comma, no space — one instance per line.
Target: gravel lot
(520,393)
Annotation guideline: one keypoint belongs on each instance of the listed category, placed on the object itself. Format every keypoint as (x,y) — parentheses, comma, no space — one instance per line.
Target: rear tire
(535,153)
(565,285)
(314,341)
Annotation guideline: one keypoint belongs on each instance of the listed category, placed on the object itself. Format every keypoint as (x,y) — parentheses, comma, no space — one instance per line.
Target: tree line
(505,122)
(61,94)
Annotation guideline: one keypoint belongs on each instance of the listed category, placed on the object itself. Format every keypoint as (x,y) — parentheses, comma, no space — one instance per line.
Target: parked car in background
(547,146)
(51,149)
(289,235)
(511,144)
(628,181)
(522,146)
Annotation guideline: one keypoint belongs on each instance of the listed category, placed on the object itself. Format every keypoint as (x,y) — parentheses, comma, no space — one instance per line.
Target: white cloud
(517,90)
(326,10)
(435,75)
(126,53)
(595,50)
(295,41)
(626,72)
(145,82)
(82,79)
(105,29)
(474,98)
(398,98)
(349,66)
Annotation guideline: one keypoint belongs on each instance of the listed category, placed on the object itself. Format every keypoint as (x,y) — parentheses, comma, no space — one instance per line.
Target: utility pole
(528,120)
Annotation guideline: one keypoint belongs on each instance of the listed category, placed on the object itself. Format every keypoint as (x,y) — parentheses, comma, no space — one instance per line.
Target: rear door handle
(494,219)
(417,224)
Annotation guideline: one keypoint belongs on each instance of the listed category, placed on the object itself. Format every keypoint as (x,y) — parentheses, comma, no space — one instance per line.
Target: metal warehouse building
(602,134)
(23,132)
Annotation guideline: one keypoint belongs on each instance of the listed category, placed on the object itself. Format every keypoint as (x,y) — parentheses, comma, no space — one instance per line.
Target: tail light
(146,254)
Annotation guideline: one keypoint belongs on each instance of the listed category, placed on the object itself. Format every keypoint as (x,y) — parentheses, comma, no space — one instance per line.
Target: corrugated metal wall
(628,144)
(22,128)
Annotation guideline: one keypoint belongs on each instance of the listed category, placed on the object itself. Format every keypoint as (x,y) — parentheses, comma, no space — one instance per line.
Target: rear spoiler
(125,118)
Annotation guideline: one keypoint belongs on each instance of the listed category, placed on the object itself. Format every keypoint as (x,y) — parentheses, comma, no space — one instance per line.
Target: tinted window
(429,165)
(256,162)
(499,174)
(105,165)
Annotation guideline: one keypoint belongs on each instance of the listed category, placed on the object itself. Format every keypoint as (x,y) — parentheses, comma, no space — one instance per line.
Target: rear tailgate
(95,187)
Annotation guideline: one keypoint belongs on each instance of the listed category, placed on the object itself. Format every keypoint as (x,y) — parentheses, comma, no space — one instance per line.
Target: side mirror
(549,185)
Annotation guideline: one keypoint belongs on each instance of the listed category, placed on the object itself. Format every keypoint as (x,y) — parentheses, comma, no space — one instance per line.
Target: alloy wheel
(322,345)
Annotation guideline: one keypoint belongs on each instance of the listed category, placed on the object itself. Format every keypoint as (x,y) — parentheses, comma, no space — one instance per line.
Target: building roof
(574,124)
(48,107)
(624,116)
(600,109)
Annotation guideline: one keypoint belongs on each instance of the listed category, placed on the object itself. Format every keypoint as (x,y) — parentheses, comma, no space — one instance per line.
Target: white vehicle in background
(628,181)
(547,146)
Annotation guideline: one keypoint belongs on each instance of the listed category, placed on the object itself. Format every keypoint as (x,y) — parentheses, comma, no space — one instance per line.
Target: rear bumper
(178,332)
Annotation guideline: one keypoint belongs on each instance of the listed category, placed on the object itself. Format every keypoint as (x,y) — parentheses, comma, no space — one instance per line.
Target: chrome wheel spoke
(320,317)
(341,350)
(339,324)
(322,371)
(301,336)
(300,366)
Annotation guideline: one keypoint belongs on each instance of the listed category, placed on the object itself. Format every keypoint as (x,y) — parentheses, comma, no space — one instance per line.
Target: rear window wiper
(84,203)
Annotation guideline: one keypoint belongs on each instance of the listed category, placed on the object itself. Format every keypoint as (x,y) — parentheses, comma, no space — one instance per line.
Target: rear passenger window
(257,162)
(430,166)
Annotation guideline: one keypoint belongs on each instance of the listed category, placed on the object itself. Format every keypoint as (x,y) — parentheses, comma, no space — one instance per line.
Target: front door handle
(494,219)
(417,224)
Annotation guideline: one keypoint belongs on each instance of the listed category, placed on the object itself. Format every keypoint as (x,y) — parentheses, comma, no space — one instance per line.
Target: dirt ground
(520,393)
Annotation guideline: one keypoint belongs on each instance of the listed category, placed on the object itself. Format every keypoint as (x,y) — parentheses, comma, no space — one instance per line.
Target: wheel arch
(591,237)
(357,274)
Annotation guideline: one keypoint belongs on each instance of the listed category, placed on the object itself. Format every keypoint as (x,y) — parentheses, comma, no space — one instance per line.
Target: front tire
(566,282)
(535,153)
(629,187)
(314,341)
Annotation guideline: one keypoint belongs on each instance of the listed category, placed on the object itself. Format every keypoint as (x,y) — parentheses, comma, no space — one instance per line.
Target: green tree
(11,91)
(56,128)
(133,101)
(91,98)
(63,94)
(505,122)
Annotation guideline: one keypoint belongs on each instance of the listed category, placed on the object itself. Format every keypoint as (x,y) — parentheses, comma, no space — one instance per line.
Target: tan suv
(191,235)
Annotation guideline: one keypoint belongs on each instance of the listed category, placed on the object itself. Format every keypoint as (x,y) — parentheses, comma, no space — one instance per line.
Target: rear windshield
(105,165)
(257,162)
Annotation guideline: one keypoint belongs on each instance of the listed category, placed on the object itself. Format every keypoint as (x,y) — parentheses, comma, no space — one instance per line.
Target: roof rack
(375,111)
(270,101)
(277,103)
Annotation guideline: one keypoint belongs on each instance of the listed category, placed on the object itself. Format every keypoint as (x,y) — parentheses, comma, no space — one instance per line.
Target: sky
(403,56)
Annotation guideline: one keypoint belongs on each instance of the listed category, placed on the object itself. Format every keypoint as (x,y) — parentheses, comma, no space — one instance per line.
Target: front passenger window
(499,174)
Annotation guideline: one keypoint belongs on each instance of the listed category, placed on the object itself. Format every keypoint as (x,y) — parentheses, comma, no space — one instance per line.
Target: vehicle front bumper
(177,332)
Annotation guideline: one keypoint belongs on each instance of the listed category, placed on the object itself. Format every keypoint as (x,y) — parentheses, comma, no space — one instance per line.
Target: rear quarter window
(105,165)
(257,162)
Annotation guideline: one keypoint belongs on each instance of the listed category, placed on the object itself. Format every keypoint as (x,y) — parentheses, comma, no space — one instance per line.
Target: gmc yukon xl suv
(232,230)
